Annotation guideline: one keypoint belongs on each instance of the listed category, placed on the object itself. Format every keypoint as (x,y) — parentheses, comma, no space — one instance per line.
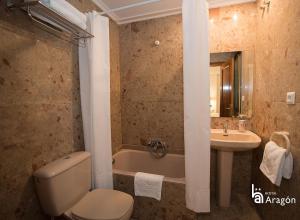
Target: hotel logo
(260,197)
(257,196)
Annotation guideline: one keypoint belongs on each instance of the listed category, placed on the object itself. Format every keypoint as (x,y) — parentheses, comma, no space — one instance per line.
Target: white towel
(148,185)
(68,11)
(288,166)
(275,163)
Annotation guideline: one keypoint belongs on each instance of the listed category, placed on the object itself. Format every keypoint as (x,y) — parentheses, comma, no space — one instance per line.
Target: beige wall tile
(277,72)
(151,74)
(152,78)
(40,106)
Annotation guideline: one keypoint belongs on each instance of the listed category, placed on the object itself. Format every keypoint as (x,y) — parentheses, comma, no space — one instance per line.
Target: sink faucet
(225,129)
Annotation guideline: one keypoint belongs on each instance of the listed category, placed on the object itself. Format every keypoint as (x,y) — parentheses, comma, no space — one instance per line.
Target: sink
(226,146)
(234,141)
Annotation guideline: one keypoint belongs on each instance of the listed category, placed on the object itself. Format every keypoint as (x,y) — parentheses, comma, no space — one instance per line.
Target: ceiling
(127,11)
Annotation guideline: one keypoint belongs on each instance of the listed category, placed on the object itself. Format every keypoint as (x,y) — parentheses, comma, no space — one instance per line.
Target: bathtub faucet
(157,148)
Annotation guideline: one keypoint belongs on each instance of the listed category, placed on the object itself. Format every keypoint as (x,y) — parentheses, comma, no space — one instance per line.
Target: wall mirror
(231,84)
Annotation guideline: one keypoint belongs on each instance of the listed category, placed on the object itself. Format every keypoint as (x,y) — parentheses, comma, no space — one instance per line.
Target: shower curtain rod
(128,6)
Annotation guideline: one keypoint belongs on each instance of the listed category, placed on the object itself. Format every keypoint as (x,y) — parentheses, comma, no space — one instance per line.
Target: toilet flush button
(291,98)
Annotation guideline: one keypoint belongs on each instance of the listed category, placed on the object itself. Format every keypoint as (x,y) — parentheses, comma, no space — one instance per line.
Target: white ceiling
(138,10)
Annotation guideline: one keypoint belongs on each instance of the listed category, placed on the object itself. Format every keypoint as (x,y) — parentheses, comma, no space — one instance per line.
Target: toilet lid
(103,204)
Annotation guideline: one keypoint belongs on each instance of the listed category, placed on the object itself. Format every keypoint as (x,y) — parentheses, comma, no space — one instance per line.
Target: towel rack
(63,25)
(285,135)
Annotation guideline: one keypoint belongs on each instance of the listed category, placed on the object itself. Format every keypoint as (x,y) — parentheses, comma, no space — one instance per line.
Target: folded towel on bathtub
(149,185)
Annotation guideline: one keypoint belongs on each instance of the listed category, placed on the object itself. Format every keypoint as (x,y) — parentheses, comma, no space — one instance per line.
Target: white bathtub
(128,162)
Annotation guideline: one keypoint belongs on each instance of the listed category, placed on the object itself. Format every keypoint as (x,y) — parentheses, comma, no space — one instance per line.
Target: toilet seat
(103,204)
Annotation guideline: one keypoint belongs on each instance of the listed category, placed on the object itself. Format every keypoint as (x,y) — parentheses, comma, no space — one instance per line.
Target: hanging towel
(288,166)
(68,11)
(149,185)
(275,163)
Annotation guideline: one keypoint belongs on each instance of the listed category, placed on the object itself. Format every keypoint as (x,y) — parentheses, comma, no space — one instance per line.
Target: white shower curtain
(94,68)
(196,104)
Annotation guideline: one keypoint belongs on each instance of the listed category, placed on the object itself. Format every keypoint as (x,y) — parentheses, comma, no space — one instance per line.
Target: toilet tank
(62,183)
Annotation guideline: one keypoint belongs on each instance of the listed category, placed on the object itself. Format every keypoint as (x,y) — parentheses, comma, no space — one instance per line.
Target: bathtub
(128,162)
(172,204)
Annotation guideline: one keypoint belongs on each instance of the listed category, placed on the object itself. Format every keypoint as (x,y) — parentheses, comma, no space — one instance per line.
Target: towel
(276,164)
(68,11)
(288,166)
(148,185)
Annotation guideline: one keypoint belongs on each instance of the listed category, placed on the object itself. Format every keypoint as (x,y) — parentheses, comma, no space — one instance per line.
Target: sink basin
(226,146)
(235,141)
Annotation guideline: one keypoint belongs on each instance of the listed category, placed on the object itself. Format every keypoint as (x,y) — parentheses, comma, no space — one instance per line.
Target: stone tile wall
(152,79)
(40,113)
(277,72)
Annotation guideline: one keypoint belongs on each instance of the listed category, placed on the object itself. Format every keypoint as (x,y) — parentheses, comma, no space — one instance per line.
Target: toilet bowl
(63,188)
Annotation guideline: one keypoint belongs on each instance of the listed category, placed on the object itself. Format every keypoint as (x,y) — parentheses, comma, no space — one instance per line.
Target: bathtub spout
(157,148)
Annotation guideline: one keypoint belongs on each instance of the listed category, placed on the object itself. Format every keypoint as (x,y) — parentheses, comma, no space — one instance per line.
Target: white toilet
(63,189)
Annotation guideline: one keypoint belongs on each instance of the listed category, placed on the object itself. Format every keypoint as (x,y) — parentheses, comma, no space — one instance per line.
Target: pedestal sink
(225,146)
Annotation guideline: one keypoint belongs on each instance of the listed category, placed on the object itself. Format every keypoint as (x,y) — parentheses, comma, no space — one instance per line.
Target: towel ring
(283,134)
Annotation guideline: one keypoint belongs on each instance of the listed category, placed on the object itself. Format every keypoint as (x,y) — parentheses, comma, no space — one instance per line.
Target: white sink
(234,141)
(225,146)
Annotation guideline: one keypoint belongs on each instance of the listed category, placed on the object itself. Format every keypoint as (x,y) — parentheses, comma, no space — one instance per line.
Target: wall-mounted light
(235,17)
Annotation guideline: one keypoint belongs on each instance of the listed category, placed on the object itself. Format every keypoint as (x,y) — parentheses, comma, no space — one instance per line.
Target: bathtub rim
(130,173)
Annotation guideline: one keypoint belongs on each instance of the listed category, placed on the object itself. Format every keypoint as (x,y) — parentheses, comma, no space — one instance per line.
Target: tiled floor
(240,209)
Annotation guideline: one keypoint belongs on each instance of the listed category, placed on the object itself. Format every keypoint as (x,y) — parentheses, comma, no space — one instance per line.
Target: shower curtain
(94,68)
(196,104)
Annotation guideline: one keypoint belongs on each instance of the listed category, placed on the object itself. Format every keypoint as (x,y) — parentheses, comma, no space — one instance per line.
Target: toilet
(63,187)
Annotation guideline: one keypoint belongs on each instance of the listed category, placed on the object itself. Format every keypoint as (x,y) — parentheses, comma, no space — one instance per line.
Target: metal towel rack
(285,135)
(57,23)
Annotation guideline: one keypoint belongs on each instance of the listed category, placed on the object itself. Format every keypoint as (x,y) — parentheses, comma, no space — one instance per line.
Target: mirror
(231,84)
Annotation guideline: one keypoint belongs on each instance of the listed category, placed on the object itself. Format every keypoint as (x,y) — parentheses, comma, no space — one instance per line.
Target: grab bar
(285,135)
